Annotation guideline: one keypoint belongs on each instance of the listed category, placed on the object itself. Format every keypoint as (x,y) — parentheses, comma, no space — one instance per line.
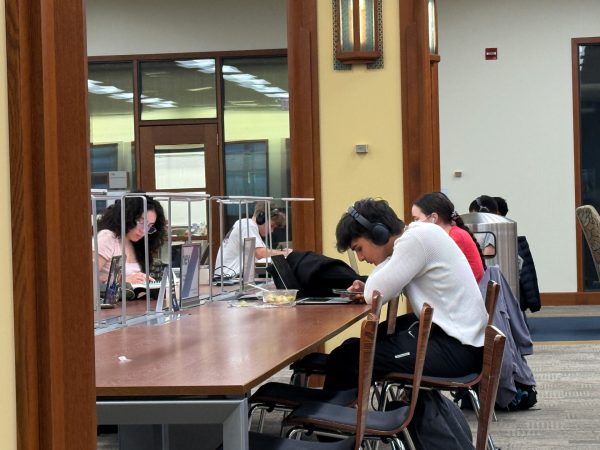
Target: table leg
(231,413)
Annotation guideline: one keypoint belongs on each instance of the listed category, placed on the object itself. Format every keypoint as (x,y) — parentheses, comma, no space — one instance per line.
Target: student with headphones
(228,257)
(485,204)
(426,264)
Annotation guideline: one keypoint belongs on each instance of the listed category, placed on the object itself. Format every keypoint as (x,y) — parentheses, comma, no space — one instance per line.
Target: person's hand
(286,251)
(138,278)
(356,291)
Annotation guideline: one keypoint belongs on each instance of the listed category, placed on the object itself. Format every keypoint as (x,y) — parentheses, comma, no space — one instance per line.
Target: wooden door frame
(50,215)
(146,170)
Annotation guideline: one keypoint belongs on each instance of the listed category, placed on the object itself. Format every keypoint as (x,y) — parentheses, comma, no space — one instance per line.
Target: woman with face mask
(437,208)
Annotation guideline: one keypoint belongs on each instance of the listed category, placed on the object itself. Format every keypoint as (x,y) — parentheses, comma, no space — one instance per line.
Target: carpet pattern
(584,328)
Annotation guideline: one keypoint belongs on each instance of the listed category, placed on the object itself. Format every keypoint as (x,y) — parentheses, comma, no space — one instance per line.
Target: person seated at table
(137,229)
(485,204)
(228,255)
(437,208)
(426,264)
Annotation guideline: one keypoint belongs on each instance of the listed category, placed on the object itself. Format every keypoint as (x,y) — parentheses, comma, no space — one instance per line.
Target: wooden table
(214,353)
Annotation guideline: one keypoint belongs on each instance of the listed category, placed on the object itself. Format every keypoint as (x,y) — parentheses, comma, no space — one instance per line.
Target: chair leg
(408,439)
(397,444)
(261,417)
(490,443)
(474,401)
(295,433)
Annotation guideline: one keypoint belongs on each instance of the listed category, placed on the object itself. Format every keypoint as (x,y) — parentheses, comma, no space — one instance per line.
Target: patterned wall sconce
(357,33)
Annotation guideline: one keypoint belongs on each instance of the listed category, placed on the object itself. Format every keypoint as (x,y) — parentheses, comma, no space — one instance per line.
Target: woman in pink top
(138,227)
(437,208)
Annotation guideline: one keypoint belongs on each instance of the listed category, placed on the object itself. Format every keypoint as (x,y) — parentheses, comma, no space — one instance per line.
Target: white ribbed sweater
(428,265)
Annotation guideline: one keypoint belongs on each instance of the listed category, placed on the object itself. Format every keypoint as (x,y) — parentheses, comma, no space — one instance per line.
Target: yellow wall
(8,421)
(359,106)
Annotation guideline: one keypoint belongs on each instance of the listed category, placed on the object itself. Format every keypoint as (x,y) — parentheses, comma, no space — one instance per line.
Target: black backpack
(438,423)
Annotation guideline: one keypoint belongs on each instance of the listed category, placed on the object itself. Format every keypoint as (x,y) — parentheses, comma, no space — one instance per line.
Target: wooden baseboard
(570,298)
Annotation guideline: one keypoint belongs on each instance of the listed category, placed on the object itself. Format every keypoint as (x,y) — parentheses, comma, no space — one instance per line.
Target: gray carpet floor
(567,414)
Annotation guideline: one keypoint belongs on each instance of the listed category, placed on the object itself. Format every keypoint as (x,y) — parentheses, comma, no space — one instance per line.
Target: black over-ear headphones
(482,208)
(379,231)
(260,217)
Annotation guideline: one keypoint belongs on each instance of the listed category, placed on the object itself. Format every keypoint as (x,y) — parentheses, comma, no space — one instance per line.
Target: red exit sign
(491,53)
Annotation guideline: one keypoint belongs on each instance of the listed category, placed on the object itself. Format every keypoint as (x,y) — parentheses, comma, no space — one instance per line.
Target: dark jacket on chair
(528,284)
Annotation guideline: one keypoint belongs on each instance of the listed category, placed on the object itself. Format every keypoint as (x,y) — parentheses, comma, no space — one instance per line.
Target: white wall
(117,27)
(508,124)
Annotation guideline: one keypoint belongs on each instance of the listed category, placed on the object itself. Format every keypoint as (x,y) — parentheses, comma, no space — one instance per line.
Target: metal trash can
(492,229)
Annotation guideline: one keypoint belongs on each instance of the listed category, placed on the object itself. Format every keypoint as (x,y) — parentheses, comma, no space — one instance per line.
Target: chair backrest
(425,319)
(392,313)
(491,298)
(376,303)
(590,224)
(368,337)
(490,377)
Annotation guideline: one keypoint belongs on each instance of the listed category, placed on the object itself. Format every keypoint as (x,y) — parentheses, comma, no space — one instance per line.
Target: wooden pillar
(420,115)
(51,230)
(304,123)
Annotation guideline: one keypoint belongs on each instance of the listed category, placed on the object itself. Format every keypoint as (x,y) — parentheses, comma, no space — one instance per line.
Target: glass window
(246,164)
(181,89)
(256,122)
(110,100)
(589,119)
(179,167)
(256,127)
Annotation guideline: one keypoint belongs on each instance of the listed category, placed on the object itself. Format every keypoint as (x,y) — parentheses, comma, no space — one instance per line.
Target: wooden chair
(368,337)
(589,219)
(492,363)
(491,297)
(315,363)
(457,385)
(488,385)
(285,397)
(329,419)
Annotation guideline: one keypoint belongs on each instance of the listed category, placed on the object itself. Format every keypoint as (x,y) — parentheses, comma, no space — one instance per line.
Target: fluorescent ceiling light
(200,89)
(230,69)
(162,105)
(95,89)
(151,100)
(239,78)
(260,81)
(122,96)
(196,63)
(267,90)
(279,95)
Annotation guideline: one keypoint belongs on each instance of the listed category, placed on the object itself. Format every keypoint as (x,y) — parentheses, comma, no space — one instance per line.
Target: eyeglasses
(150,228)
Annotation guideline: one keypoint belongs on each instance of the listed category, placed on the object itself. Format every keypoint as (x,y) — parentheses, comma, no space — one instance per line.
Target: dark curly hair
(502,206)
(439,203)
(375,211)
(484,204)
(134,210)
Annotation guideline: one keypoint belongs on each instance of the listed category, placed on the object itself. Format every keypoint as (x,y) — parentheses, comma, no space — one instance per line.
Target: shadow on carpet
(564,328)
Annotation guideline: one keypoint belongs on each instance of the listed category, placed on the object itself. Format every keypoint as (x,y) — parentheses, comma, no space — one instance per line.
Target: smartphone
(345,292)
